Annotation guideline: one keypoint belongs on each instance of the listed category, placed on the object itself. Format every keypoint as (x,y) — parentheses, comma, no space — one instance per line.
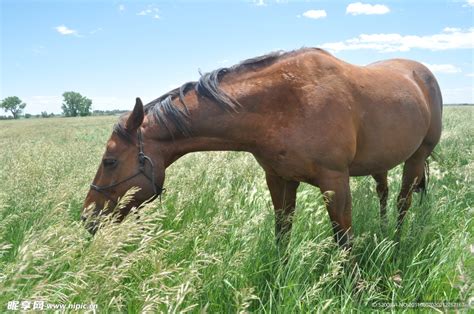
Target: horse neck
(212,129)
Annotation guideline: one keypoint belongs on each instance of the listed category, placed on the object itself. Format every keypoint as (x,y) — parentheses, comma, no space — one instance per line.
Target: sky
(113,51)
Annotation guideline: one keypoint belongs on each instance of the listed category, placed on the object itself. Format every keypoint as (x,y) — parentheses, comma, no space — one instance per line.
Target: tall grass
(209,246)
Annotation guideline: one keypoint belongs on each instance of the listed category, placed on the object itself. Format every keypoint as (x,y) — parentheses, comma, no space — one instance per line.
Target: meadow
(208,246)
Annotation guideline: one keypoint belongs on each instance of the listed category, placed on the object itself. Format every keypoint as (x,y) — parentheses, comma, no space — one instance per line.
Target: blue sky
(114,51)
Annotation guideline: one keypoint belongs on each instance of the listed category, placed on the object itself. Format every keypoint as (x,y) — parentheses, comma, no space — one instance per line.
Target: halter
(142,159)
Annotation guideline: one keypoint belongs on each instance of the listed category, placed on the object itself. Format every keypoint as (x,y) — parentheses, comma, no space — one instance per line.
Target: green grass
(209,246)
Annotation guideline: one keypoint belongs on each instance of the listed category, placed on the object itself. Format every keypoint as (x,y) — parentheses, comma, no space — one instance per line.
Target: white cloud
(144,12)
(315,14)
(469,3)
(451,39)
(442,68)
(64,30)
(150,11)
(121,7)
(470,74)
(259,3)
(358,8)
(451,29)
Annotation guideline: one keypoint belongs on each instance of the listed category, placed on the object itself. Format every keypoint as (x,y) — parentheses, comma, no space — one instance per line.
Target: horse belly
(388,135)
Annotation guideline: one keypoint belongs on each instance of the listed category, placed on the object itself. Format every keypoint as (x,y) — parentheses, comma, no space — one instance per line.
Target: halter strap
(142,159)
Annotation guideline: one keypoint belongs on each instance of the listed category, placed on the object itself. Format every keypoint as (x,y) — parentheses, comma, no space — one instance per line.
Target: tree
(76,105)
(14,105)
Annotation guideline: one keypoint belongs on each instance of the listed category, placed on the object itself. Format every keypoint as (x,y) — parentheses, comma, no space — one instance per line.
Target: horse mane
(208,84)
(168,114)
(165,112)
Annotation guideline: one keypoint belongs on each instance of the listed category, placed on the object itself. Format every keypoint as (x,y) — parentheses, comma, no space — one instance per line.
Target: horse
(305,115)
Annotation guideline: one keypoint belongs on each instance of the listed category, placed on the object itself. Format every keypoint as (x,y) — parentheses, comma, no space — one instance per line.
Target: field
(209,245)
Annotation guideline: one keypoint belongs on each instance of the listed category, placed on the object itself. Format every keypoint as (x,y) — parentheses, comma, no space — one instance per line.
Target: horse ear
(136,117)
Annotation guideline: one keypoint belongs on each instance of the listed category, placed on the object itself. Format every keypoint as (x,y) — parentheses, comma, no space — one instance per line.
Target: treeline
(114,112)
(45,114)
(462,104)
(74,105)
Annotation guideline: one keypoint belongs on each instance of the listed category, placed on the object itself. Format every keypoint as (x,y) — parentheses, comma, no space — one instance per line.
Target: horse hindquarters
(415,169)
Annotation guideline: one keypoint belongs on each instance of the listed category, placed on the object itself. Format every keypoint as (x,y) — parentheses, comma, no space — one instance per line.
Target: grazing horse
(305,115)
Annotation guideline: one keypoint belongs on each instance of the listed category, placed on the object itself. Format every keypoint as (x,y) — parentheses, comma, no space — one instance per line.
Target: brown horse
(305,115)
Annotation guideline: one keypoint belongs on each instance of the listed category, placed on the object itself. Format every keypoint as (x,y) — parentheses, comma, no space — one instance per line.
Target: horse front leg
(283,193)
(337,195)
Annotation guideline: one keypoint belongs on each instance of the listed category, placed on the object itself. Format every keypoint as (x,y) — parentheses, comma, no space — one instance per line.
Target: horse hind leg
(414,179)
(382,192)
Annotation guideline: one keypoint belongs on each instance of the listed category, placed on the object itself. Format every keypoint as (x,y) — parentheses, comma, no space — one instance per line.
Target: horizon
(114,51)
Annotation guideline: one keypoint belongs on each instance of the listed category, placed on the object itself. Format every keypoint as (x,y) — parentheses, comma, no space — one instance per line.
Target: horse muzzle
(90,226)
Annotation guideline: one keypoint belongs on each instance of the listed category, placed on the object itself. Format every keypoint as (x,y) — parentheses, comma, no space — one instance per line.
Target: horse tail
(423,185)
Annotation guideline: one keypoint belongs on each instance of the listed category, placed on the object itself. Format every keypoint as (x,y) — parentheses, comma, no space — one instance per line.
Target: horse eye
(109,162)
